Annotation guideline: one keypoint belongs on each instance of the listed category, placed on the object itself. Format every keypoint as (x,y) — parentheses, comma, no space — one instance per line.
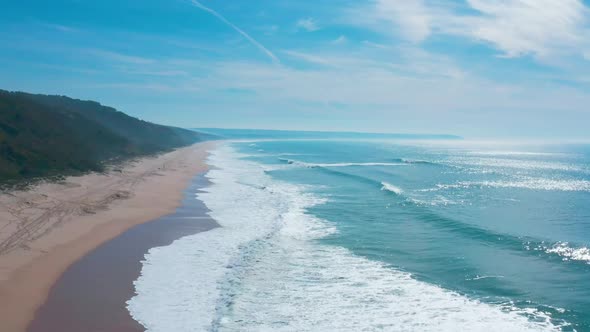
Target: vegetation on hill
(44,135)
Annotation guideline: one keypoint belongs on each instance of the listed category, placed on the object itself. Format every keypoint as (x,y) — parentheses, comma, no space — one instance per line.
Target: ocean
(380,235)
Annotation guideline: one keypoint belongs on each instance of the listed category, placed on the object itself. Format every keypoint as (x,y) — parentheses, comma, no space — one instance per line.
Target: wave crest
(316,165)
(390,187)
(565,251)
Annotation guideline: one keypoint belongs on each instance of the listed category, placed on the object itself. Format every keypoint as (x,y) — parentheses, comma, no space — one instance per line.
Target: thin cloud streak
(254,42)
(118,57)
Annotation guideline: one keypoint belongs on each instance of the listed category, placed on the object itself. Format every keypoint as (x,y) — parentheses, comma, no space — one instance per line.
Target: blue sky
(478,68)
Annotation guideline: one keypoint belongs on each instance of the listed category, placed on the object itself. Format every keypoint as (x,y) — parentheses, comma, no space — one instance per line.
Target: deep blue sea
(381,235)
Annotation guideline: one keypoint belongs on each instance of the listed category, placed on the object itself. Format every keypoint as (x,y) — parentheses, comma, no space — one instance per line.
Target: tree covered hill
(43,135)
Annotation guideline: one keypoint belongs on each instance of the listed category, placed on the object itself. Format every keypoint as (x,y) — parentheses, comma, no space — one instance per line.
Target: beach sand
(91,295)
(46,229)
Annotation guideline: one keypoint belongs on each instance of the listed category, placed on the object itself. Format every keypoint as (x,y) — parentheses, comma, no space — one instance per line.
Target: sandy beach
(92,294)
(44,230)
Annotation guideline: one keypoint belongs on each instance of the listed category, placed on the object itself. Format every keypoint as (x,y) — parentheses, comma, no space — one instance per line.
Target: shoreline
(59,223)
(92,294)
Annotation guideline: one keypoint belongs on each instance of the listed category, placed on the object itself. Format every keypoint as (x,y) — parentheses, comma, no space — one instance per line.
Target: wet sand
(91,295)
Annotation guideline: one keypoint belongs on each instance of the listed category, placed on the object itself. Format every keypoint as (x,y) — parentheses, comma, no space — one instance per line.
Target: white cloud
(417,82)
(395,85)
(269,30)
(543,28)
(308,24)
(340,40)
(60,27)
(411,16)
(310,58)
(409,63)
(118,57)
(538,27)
(369,97)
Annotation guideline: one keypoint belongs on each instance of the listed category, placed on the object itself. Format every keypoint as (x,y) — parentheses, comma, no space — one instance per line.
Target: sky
(476,68)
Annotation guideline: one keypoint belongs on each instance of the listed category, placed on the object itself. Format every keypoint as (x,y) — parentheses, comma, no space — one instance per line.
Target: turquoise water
(380,235)
(503,224)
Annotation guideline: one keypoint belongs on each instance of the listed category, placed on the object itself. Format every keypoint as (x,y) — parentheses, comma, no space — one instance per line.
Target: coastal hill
(42,135)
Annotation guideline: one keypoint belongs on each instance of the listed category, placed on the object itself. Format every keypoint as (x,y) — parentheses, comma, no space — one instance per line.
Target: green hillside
(44,135)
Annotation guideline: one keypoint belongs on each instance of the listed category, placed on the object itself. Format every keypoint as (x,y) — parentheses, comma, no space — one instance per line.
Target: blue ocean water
(381,235)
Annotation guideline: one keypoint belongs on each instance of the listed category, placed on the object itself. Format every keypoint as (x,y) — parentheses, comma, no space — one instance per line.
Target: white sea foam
(264,270)
(390,187)
(356,164)
(478,277)
(438,200)
(178,289)
(312,165)
(298,286)
(516,153)
(525,183)
(417,161)
(524,164)
(294,154)
(564,250)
